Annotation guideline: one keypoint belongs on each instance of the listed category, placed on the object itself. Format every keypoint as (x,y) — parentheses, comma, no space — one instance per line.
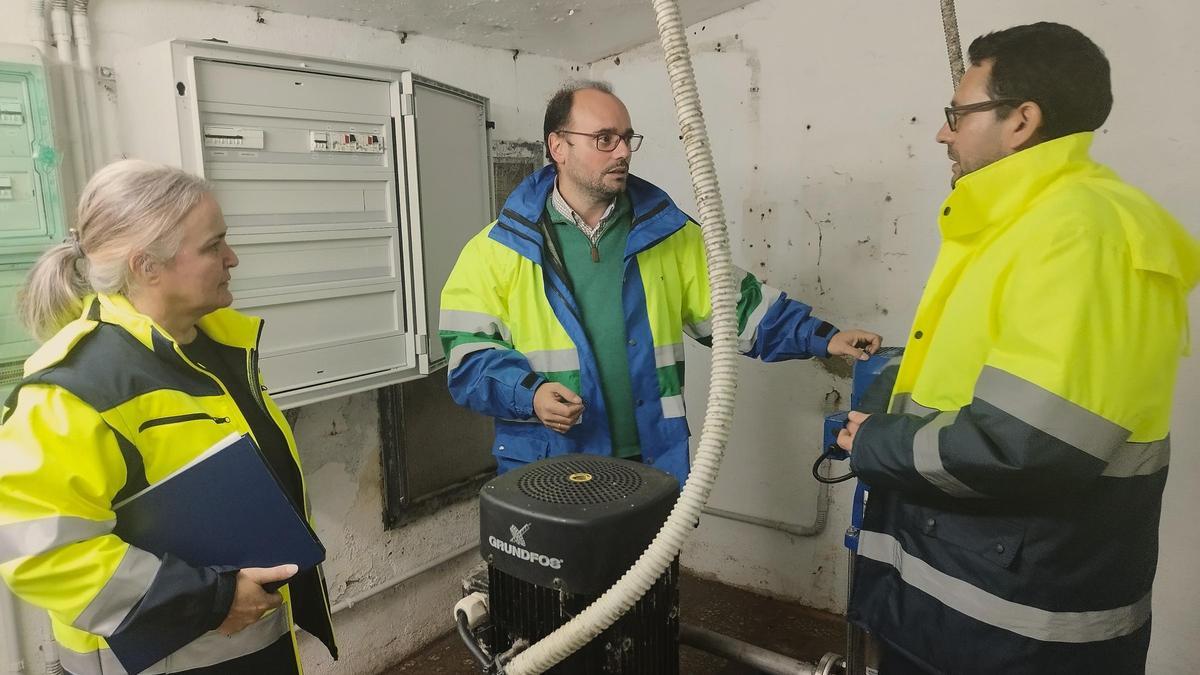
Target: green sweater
(596,278)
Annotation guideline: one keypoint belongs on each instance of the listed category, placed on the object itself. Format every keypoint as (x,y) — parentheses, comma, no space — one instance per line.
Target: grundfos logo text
(516,548)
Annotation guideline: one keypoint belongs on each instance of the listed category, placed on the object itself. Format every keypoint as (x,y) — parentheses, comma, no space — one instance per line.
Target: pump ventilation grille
(580,481)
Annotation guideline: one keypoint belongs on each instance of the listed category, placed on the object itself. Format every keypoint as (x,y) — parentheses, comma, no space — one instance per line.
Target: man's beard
(599,190)
(602,192)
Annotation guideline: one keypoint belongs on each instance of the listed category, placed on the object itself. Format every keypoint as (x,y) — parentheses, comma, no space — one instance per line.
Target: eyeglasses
(956,111)
(607,141)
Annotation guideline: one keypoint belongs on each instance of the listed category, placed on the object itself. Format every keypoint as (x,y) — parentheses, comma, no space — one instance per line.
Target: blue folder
(225,508)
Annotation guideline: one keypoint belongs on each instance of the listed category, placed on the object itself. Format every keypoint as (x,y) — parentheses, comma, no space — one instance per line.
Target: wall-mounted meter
(31,198)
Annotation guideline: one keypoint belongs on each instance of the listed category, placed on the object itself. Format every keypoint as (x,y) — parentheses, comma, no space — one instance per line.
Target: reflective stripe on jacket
(509,322)
(109,406)
(1012,525)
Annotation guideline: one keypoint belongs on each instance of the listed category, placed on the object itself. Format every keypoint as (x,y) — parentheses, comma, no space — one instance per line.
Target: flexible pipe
(10,639)
(468,639)
(953,43)
(50,657)
(718,418)
(762,660)
(87,70)
(60,22)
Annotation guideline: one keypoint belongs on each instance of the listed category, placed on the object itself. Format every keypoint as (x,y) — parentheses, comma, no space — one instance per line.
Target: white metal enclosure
(348,190)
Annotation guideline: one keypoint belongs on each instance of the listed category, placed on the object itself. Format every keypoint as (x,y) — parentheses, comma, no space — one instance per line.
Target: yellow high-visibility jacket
(109,406)
(1012,524)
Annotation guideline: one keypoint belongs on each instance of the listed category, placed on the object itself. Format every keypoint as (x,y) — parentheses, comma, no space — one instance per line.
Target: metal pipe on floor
(764,660)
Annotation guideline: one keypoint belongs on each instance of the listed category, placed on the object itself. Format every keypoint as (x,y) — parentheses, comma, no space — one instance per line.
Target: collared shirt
(593,234)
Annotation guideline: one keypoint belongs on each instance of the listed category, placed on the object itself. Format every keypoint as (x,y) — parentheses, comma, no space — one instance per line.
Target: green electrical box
(32,215)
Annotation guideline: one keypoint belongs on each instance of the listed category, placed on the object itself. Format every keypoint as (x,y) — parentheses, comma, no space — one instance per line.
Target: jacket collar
(654,215)
(226,326)
(1001,190)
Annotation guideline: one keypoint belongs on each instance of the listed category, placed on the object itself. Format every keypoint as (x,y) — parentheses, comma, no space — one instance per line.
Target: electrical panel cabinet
(31,198)
(326,174)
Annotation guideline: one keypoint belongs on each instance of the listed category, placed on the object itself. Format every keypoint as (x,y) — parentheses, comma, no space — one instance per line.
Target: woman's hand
(250,601)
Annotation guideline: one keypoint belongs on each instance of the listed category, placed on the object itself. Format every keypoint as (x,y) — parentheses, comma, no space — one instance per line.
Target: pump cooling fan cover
(556,534)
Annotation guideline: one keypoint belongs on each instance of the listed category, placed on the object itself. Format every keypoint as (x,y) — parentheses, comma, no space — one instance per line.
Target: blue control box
(865,374)
(833,426)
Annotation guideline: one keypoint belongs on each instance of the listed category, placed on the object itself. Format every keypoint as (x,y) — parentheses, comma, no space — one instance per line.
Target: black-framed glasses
(607,141)
(954,112)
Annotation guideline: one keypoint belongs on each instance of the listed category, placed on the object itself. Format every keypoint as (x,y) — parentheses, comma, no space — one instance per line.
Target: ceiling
(576,30)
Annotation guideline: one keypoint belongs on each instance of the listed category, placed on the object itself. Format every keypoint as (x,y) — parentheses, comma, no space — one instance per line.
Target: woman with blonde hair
(143,367)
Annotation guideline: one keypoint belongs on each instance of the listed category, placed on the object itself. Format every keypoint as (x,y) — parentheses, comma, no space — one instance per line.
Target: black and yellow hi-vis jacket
(1012,525)
(109,406)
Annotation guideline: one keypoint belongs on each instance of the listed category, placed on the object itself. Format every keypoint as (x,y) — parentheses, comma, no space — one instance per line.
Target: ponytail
(128,209)
(54,290)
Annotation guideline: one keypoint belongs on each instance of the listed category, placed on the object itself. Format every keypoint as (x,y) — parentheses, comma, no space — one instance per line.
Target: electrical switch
(345,141)
(233,137)
(11,113)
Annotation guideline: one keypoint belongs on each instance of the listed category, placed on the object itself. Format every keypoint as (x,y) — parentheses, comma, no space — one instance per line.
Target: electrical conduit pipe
(87,72)
(60,23)
(37,27)
(10,636)
(10,639)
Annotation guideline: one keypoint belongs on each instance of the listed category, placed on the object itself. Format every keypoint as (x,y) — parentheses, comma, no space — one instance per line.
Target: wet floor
(784,627)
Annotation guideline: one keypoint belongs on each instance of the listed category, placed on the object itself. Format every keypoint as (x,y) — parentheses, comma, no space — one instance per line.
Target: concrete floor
(784,627)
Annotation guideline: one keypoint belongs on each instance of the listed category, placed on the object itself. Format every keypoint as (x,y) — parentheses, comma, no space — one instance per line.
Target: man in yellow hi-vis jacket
(1012,525)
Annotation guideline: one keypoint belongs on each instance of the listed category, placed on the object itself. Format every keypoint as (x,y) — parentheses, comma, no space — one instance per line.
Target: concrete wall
(339,439)
(822,117)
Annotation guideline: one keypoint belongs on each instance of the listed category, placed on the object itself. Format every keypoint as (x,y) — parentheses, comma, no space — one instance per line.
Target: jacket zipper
(252,377)
(646,216)
(531,240)
(176,419)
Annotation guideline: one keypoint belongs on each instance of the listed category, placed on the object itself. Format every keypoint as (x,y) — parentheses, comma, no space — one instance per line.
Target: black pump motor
(556,534)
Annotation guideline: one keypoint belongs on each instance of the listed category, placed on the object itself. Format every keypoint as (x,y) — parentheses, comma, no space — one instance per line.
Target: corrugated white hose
(719,415)
(953,43)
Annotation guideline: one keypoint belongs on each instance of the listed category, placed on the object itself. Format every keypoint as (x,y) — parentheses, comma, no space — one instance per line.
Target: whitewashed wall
(822,117)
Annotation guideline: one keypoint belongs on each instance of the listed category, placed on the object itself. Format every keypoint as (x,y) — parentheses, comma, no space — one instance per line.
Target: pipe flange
(831,664)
